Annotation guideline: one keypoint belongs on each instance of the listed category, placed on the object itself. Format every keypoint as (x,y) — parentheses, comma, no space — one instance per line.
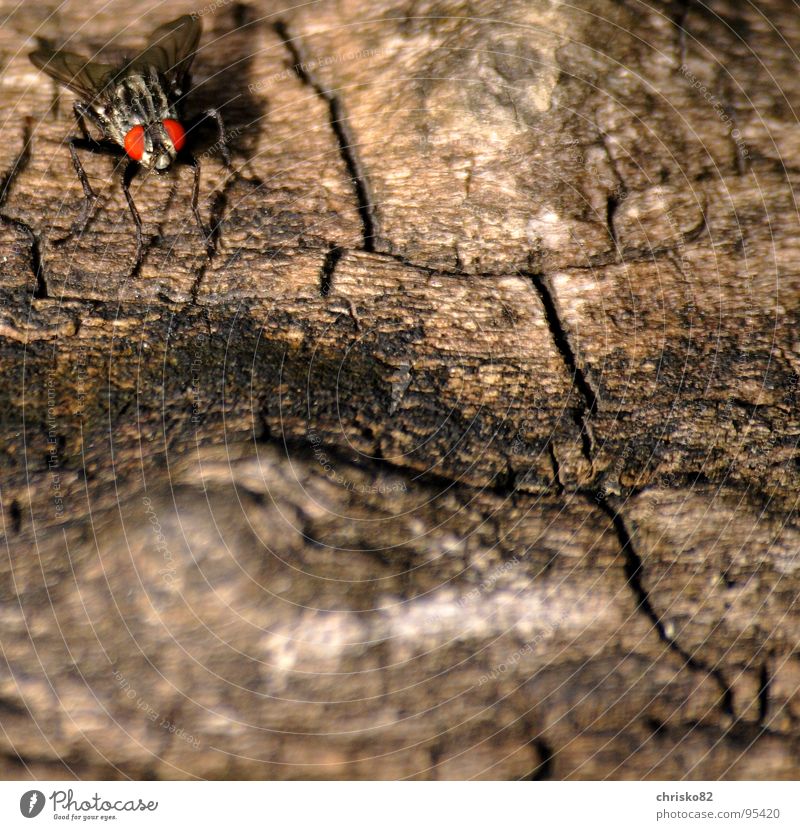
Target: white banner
(401,805)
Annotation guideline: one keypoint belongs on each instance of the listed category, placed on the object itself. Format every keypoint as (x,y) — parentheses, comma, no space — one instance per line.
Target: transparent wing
(172,47)
(74,71)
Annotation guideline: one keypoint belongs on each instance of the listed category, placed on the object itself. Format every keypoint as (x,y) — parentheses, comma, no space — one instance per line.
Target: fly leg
(89,196)
(128,175)
(81,113)
(85,142)
(224,149)
(208,236)
(222,143)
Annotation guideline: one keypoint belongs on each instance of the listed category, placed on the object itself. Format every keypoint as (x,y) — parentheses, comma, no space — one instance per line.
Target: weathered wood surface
(473,453)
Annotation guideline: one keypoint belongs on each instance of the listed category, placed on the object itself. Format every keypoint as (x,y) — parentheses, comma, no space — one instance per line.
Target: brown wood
(472,453)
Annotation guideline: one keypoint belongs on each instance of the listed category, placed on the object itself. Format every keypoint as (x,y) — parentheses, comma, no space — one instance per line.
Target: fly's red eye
(175,132)
(134,142)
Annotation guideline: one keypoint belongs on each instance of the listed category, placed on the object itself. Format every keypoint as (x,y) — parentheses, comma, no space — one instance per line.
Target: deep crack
(35,254)
(341,129)
(40,292)
(15,512)
(633,573)
(588,396)
(612,203)
(764,680)
(544,771)
(559,487)
(329,264)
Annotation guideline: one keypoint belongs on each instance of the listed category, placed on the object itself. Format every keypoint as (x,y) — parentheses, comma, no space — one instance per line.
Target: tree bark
(472,452)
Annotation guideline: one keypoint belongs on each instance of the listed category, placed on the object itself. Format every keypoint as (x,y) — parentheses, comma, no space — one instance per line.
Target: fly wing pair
(170,51)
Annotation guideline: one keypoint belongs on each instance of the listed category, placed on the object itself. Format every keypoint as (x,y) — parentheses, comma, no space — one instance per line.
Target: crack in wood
(633,573)
(612,203)
(614,199)
(341,128)
(15,513)
(335,253)
(35,254)
(6,184)
(741,156)
(579,378)
(20,162)
(544,771)
(764,681)
(557,484)
(634,256)
(679,15)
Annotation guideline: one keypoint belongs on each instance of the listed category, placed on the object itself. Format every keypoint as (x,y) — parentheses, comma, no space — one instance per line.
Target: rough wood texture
(473,453)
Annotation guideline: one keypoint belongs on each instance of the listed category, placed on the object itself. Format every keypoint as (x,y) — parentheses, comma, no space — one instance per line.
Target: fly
(137,108)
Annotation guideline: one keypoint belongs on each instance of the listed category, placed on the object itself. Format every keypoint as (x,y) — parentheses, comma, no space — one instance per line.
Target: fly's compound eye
(176,133)
(134,142)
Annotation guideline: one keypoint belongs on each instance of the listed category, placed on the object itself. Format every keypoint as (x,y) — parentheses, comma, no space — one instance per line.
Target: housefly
(137,108)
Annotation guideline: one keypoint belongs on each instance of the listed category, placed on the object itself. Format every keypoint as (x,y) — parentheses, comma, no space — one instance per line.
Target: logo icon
(31,803)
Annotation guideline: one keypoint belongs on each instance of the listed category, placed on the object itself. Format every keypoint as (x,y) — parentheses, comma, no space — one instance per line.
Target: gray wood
(473,452)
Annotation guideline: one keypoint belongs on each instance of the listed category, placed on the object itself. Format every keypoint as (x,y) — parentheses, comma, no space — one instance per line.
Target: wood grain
(472,452)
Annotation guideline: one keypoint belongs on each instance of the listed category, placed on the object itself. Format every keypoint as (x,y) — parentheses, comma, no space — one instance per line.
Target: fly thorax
(140,108)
